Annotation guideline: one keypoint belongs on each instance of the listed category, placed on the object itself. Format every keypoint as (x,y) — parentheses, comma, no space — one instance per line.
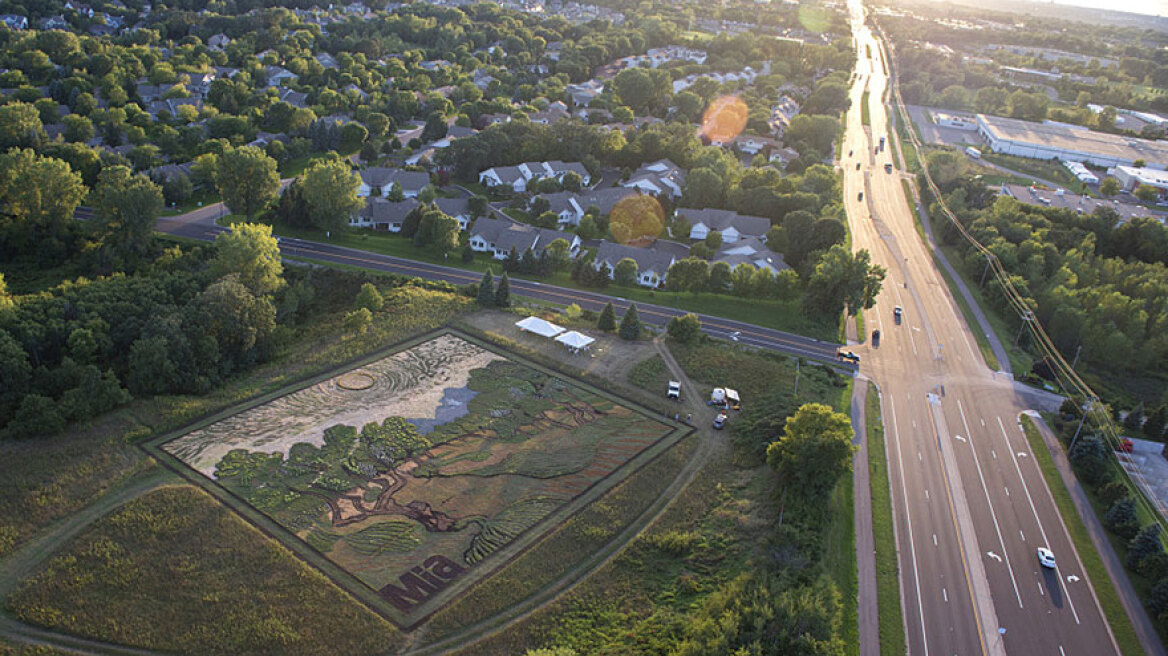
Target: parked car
(720,421)
(1126,446)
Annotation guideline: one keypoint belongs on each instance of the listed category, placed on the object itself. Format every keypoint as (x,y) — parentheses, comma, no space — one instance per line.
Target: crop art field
(412,476)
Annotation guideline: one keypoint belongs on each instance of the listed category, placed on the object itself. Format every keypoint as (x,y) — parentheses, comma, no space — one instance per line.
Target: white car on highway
(1045,557)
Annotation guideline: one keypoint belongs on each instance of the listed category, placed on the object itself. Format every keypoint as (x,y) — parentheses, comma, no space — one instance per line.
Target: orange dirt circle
(355,381)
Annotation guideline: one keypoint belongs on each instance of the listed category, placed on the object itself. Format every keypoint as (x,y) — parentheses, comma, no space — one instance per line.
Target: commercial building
(956,121)
(1130,177)
(1055,141)
(1079,204)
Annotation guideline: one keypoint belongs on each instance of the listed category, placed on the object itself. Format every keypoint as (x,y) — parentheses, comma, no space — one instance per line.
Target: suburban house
(326,60)
(499,237)
(379,179)
(278,76)
(381,214)
(455,207)
(732,225)
(652,263)
(14,21)
(570,208)
(585,92)
(781,115)
(549,116)
(517,177)
(662,176)
(753,251)
(218,41)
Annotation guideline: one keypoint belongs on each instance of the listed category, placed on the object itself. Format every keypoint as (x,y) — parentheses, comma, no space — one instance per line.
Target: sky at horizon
(1148,7)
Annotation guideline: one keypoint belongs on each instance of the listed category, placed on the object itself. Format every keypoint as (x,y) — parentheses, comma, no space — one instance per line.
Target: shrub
(1145,544)
(1121,518)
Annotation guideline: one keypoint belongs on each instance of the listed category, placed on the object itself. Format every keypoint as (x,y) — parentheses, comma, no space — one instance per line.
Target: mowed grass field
(177,572)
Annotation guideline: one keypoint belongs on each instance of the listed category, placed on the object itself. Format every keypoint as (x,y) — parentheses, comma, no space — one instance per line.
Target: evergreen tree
(607,320)
(511,264)
(527,262)
(630,325)
(486,295)
(1154,425)
(503,292)
(467,254)
(1144,544)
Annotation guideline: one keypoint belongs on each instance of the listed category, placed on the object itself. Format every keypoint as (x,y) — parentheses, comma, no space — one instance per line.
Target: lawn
(1020,361)
(228,588)
(840,551)
(891,617)
(1038,169)
(983,342)
(1121,626)
(865,113)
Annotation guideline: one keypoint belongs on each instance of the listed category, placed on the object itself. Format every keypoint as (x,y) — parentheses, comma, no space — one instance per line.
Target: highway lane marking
(926,494)
(908,523)
(990,503)
(1022,535)
(1061,652)
(934,539)
(1040,590)
(993,452)
(957,531)
(945,594)
(1007,489)
(1037,519)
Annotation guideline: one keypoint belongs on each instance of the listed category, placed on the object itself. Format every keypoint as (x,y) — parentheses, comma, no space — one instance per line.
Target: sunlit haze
(1150,7)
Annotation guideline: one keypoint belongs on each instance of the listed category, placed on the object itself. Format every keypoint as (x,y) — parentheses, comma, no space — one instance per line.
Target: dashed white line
(1040,590)
(945,594)
(1037,519)
(990,503)
(908,523)
(934,539)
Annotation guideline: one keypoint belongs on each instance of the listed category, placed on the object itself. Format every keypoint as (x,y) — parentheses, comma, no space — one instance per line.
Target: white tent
(575,341)
(539,327)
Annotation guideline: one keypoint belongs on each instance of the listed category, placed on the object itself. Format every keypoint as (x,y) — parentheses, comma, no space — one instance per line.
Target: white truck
(725,398)
(674,390)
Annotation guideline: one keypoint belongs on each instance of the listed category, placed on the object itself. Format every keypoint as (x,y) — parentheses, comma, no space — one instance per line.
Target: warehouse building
(1130,177)
(1068,143)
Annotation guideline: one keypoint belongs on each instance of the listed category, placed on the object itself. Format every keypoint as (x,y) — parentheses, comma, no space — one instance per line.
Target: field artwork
(420,473)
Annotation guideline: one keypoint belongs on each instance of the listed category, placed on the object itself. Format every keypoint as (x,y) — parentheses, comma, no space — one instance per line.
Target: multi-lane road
(200,224)
(971,507)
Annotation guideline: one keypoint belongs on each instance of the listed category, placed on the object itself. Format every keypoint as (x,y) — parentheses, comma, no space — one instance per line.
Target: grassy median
(892,639)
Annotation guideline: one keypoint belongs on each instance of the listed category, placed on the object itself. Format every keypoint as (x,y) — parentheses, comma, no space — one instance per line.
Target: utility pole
(1086,408)
(986,271)
(796,378)
(1078,350)
(1027,316)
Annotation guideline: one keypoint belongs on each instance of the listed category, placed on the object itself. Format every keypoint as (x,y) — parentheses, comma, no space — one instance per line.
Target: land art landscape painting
(411,473)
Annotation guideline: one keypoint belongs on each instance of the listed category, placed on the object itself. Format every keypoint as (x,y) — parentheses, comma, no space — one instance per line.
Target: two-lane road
(201,225)
(971,507)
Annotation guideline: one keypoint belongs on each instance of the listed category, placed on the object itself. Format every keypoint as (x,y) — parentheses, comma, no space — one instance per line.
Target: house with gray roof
(381,214)
(732,225)
(660,177)
(498,237)
(652,263)
(459,208)
(504,176)
(570,207)
(377,181)
(753,251)
(278,76)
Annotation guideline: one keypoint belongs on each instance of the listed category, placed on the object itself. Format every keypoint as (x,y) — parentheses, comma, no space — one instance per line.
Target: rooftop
(1071,139)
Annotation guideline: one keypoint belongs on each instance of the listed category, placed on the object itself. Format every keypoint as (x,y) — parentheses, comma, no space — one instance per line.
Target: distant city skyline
(1148,7)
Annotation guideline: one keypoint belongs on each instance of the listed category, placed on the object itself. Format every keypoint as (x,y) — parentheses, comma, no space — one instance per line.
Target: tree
(503,291)
(607,320)
(369,298)
(1090,458)
(630,325)
(352,136)
(1147,193)
(703,188)
(37,192)
(1154,424)
(238,321)
(1145,544)
(486,295)
(38,416)
(20,126)
(814,450)
(6,301)
(249,251)
(435,128)
(358,321)
(686,329)
(714,240)
(330,193)
(247,180)
(1109,187)
(625,272)
(477,205)
(125,209)
(78,128)
(720,275)
(1121,518)
(843,281)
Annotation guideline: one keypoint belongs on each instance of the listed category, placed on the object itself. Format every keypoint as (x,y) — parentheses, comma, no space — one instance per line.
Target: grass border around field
(840,553)
(347,580)
(890,614)
(1105,592)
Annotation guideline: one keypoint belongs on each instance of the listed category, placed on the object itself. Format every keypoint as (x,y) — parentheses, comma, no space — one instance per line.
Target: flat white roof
(1147,176)
(1074,140)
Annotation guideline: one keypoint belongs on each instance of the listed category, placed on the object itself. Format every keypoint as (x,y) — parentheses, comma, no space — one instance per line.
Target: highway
(200,224)
(969,502)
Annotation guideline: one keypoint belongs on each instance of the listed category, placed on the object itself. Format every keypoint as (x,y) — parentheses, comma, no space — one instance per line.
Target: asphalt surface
(200,224)
(969,502)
